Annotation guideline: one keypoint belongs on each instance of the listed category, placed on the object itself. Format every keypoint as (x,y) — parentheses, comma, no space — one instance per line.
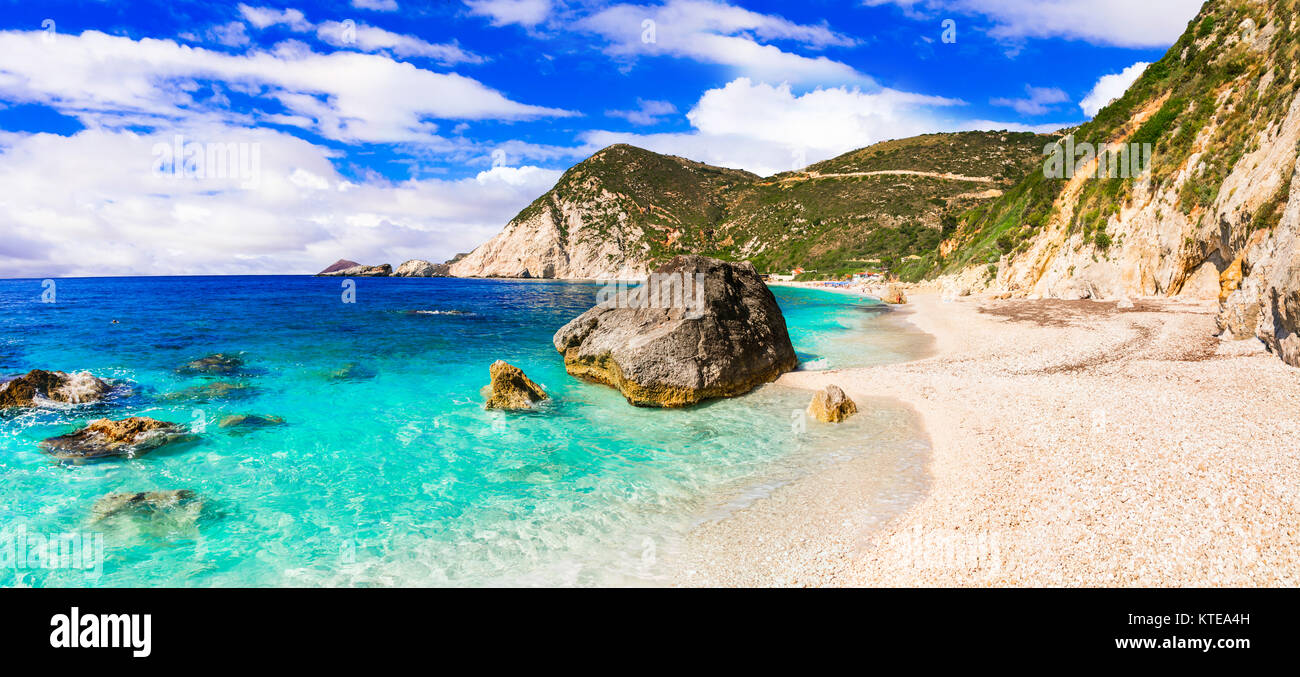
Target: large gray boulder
(698,328)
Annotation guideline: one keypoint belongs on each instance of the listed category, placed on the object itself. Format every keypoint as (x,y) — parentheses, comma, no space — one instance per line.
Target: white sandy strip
(1074,443)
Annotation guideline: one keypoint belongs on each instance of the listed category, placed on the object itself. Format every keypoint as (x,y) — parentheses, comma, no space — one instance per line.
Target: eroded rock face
(106,437)
(723,338)
(420,268)
(179,503)
(77,388)
(511,389)
(831,405)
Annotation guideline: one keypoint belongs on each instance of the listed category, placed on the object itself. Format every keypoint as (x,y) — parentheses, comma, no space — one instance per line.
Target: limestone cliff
(1212,215)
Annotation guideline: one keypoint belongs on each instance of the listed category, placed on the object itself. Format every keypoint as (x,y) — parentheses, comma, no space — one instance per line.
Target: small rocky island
(412,268)
(720,334)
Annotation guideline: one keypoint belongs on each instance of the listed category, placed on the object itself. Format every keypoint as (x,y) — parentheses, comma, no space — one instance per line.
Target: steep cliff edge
(1212,216)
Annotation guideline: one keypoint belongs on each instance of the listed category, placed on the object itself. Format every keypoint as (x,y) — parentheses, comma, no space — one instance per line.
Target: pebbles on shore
(1075,443)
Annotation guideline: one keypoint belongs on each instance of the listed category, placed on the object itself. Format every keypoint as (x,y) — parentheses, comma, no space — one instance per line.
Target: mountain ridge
(626,209)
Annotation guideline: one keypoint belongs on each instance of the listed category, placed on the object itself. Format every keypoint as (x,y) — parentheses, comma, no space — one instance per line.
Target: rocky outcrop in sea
(511,389)
(77,388)
(421,268)
(698,328)
(341,264)
(105,437)
(384,270)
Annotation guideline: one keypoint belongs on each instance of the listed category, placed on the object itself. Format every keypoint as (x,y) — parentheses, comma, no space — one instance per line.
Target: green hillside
(832,216)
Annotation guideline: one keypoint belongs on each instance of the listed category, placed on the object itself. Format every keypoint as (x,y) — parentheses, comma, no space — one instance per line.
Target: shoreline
(1072,443)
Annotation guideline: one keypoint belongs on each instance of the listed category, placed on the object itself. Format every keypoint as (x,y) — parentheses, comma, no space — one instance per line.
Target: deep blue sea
(388,471)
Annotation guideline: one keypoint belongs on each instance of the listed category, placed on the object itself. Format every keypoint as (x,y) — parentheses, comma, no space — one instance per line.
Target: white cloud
(376,5)
(526,13)
(767,129)
(361,36)
(718,33)
(1124,23)
(116,216)
(263,17)
(1110,87)
(372,39)
(346,96)
(230,35)
(647,112)
(1038,100)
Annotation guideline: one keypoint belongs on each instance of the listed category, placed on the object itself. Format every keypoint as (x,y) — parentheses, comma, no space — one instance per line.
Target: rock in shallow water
(105,437)
(218,390)
(76,388)
(248,421)
(177,503)
(699,328)
(218,363)
(511,389)
(831,405)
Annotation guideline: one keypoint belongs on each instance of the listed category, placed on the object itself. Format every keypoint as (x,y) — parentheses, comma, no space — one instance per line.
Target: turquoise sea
(388,471)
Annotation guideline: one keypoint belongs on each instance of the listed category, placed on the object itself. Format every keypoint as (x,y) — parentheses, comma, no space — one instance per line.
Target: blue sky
(394,129)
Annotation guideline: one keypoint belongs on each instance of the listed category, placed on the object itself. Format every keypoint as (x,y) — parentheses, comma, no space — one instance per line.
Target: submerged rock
(218,390)
(511,389)
(831,405)
(248,421)
(721,335)
(76,388)
(352,371)
(106,437)
(180,504)
(217,363)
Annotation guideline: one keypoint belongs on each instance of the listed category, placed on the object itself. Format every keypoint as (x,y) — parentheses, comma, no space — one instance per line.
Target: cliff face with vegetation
(1212,218)
(626,210)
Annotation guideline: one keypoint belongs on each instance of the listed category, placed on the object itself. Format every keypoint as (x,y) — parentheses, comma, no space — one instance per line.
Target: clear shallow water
(388,470)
